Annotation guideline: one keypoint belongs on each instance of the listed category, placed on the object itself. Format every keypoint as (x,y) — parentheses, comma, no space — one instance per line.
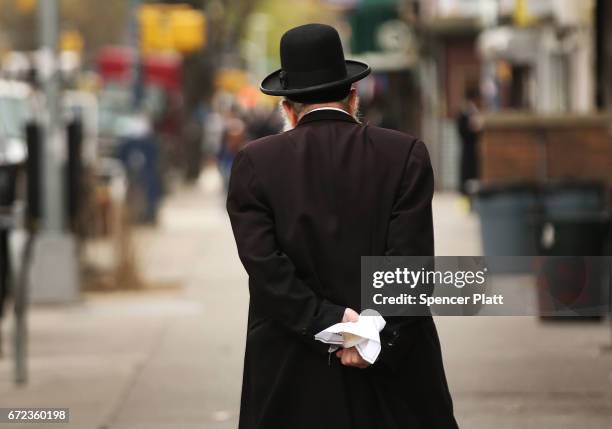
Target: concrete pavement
(172,358)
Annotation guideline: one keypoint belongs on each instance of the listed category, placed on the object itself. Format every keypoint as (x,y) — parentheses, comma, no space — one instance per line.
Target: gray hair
(300,108)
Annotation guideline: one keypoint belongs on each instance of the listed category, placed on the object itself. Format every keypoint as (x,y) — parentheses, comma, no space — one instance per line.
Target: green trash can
(573,273)
(508,213)
(573,197)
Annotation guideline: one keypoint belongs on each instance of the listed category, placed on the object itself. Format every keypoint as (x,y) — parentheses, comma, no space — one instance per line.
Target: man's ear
(290,113)
(353,100)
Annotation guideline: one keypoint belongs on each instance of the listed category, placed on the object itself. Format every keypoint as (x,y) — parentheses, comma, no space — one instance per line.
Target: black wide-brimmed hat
(313,68)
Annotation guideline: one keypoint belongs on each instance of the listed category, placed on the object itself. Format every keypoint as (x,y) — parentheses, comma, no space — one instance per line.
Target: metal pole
(53,216)
(134,44)
(21,307)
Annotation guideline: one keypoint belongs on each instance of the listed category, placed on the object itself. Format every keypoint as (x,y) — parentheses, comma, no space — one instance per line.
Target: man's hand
(351,357)
(350,315)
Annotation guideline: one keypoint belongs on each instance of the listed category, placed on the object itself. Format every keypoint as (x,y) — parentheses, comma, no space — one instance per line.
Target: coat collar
(326,114)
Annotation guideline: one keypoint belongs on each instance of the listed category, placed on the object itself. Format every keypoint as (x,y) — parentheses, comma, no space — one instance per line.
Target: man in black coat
(305,205)
(469,126)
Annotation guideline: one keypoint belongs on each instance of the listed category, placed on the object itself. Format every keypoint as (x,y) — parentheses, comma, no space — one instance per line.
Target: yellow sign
(175,28)
(231,80)
(187,30)
(71,40)
(522,17)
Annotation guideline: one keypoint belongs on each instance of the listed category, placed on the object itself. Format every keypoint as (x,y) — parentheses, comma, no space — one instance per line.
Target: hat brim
(355,70)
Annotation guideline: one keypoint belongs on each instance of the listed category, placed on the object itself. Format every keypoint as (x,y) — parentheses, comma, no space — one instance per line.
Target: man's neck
(312,107)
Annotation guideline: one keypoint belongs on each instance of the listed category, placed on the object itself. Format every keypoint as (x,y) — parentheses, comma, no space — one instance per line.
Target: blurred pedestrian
(212,134)
(263,121)
(304,206)
(469,126)
(234,138)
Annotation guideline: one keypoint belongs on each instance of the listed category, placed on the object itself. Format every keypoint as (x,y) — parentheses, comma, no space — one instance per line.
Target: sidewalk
(172,358)
(168,358)
(516,372)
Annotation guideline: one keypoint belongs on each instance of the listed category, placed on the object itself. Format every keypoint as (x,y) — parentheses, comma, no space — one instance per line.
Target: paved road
(171,358)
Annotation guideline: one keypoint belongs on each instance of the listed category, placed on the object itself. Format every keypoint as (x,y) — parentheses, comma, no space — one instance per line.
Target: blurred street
(122,296)
(154,358)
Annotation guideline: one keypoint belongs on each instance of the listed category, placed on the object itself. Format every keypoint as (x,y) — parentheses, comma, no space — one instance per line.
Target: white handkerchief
(363,335)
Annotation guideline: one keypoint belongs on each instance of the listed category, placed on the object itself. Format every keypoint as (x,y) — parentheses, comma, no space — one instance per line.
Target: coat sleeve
(276,291)
(410,234)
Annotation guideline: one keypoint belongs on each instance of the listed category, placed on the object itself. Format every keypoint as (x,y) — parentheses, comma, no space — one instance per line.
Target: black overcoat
(304,206)
(468,166)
